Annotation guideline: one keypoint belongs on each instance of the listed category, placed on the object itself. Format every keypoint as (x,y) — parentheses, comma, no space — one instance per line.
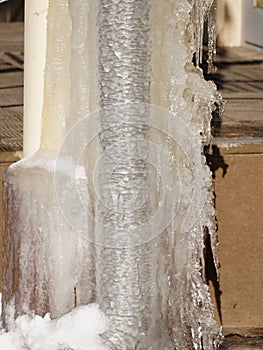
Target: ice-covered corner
(105,224)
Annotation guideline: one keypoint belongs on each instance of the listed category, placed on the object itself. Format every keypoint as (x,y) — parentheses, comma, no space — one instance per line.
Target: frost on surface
(144,175)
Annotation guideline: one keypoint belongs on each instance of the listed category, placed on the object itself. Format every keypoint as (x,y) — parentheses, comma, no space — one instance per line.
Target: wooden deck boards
(11,37)
(239,77)
(11,90)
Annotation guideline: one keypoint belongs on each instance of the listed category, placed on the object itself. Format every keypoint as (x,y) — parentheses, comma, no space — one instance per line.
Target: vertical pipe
(35,55)
(123,270)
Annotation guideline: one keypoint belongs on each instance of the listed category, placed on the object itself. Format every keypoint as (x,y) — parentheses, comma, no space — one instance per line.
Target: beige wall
(229,23)
(239,208)
(252,24)
(239,23)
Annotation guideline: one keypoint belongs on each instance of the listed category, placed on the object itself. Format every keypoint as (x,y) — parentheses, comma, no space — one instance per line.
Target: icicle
(211,24)
(203,10)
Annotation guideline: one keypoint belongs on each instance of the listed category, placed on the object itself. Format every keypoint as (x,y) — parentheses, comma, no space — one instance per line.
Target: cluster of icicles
(138,249)
(205,10)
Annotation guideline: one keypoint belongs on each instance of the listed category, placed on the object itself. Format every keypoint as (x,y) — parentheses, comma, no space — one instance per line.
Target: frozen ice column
(123,266)
(48,267)
(119,60)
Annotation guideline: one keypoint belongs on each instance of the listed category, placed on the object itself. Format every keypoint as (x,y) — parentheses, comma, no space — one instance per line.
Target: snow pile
(78,330)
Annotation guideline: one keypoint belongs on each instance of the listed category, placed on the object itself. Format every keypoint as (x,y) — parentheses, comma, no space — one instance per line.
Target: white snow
(78,330)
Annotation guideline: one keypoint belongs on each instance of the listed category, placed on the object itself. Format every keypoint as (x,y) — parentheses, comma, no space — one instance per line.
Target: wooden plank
(240,81)
(11,119)
(235,341)
(11,123)
(238,72)
(11,97)
(12,37)
(236,78)
(242,88)
(11,129)
(11,88)
(242,103)
(237,95)
(235,54)
(10,157)
(10,144)
(12,112)
(238,146)
(237,132)
(11,79)
(4,65)
(14,59)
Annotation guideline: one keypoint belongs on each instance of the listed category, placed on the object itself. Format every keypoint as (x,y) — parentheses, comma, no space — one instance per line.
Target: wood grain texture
(12,37)
(239,78)
(11,87)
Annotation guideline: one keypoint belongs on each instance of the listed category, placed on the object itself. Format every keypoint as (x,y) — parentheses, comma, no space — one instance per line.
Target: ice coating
(56,105)
(124,58)
(122,275)
(83,63)
(181,87)
(45,261)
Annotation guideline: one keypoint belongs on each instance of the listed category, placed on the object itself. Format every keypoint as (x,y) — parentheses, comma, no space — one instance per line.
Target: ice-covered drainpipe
(123,272)
(152,293)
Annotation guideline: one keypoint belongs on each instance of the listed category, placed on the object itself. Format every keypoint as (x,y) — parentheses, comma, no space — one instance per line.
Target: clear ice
(126,117)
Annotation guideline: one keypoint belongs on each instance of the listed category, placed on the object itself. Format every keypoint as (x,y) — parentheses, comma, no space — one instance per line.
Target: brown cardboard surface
(239,205)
